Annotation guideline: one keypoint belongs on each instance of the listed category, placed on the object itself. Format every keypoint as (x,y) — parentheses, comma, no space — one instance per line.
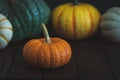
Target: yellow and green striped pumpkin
(75,20)
(6,31)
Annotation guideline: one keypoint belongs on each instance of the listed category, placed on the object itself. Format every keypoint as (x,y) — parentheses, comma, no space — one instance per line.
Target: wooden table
(93,59)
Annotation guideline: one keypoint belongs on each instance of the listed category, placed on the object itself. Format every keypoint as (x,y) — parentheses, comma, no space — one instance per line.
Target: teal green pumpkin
(26,16)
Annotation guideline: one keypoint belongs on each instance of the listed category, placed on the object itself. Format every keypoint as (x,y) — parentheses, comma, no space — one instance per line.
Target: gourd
(48,53)
(25,16)
(110,24)
(6,31)
(75,20)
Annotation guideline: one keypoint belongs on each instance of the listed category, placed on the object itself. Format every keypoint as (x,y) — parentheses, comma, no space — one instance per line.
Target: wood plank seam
(108,61)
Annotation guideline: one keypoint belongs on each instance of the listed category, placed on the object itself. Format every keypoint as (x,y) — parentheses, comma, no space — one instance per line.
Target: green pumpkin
(26,16)
(110,24)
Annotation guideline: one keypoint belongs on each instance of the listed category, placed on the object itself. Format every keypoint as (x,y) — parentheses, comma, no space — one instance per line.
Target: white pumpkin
(110,24)
(6,31)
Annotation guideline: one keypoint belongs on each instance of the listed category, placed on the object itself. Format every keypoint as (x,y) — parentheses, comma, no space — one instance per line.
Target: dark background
(102,5)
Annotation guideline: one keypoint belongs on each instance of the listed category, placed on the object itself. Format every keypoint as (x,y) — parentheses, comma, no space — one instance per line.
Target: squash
(47,53)
(25,16)
(6,31)
(75,20)
(110,24)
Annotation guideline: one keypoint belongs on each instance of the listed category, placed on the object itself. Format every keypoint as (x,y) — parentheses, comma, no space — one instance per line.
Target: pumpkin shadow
(30,67)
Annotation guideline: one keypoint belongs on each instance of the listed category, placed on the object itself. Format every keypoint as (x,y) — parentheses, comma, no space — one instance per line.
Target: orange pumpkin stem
(46,34)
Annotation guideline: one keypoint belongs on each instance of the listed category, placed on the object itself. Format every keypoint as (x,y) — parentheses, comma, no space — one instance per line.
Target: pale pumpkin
(110,24)
(6,31)
(75,20)
(47,52)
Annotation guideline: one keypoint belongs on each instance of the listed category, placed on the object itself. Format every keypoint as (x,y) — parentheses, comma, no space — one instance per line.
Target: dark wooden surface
(93,59)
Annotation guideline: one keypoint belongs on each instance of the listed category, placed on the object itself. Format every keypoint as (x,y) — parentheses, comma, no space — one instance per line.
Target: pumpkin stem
(46,34)
(75,2)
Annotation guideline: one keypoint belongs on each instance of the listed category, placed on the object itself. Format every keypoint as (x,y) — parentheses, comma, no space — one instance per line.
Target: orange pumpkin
(47,52)
(75,20)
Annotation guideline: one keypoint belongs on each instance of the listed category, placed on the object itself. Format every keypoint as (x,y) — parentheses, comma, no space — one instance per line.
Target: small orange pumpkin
(75,20)
(47,52)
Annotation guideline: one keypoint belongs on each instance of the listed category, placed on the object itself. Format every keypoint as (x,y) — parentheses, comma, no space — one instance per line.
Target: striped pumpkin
(6,32)
(75,20)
